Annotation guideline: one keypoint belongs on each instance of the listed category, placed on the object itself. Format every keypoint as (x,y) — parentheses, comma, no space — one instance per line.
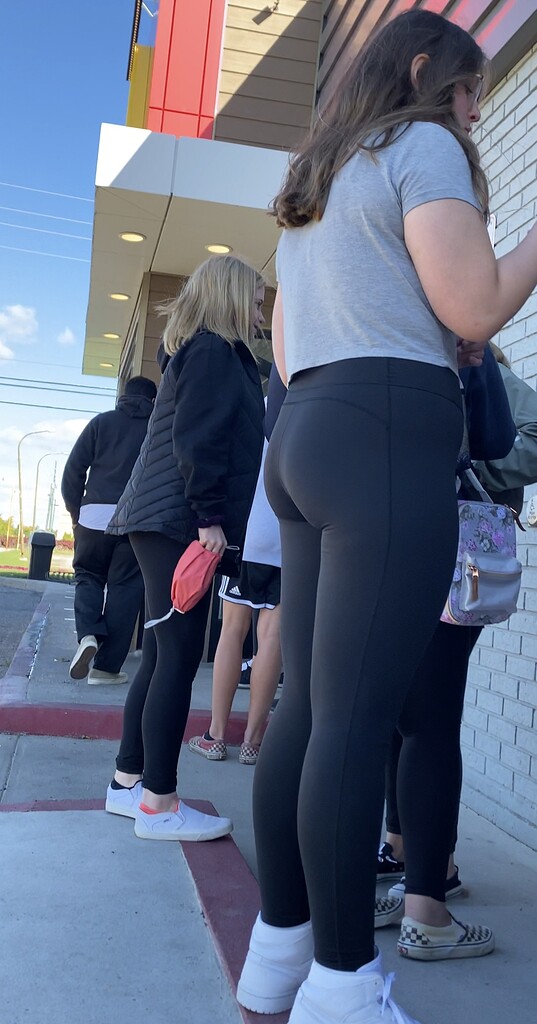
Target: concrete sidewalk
(98,926)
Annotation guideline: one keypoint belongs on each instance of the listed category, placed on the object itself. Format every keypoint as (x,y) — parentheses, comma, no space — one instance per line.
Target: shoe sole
(80,668)
(191,838)
(247,760)
(107,682)
(207,754)
(264,1004)
(449,952)
(111,809)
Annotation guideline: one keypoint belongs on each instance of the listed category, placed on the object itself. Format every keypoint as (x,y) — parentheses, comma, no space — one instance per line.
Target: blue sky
(62,74)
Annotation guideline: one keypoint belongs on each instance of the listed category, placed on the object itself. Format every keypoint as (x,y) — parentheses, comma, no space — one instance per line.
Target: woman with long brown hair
(383,264)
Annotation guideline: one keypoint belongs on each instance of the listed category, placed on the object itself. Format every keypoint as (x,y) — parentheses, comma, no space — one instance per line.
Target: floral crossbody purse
(487,577)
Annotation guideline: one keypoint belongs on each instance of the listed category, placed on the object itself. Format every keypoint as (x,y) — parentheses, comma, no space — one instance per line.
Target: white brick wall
(499,736)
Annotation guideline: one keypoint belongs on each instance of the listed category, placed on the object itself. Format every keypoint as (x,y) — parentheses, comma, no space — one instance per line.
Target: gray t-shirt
(349,287)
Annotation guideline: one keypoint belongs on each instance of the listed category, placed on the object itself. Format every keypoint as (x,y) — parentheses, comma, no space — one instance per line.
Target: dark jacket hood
(136,406)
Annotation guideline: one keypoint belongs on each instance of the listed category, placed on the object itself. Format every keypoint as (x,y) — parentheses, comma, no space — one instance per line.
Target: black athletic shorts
(258,586)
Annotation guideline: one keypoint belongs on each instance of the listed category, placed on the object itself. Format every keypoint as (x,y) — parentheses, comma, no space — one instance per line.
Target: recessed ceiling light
(132,236)
(107,366)
(218,247)
(111,336)
(119,296)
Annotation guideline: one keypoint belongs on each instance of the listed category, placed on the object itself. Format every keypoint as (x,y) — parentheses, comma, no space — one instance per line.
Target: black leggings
(158,702)
(428,733)
(360,472)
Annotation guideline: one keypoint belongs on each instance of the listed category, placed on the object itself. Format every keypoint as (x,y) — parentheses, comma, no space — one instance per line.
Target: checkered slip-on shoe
(213,750)
(456,940)
(388,867)
(389,910)
(454,887)
(249,753)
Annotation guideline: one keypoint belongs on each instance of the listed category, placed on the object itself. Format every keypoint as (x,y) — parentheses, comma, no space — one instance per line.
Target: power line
(43,231)
(36,252)
(33,380)
(58,408)
(48,216)
(45,192)
(55,390)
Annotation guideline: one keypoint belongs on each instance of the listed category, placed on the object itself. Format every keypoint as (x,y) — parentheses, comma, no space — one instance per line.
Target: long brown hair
(375,98)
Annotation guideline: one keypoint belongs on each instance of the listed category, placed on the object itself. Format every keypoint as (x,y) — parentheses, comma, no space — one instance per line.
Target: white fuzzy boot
(277,963)
(347,997)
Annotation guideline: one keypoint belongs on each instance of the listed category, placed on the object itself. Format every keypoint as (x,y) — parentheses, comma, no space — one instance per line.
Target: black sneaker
(244,681)
(387,865)
(454,887)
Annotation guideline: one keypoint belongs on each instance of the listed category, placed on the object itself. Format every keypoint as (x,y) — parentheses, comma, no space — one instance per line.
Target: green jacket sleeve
(519,467)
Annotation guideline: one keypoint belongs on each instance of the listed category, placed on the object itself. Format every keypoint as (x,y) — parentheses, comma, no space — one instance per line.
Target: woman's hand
(213,538)
(470,353)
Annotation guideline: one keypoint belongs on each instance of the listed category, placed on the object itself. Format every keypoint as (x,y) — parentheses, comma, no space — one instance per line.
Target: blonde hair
(499,356)
(217,297)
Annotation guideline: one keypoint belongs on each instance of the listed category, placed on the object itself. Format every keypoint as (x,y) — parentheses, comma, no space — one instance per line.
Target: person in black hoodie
(194,479)
(108,448)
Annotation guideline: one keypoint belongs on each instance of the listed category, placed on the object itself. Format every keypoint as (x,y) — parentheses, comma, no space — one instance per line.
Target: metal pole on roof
(137,14)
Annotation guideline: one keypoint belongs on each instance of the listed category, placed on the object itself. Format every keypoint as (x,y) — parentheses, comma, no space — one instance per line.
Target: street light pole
(20,535)
(39,461)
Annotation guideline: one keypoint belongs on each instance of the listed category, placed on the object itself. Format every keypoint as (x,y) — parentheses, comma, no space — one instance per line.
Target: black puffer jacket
(201,456)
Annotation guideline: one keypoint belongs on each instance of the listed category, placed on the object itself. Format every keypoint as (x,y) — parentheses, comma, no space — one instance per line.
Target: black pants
(158,701)
(360,472)
(429,733)
(101,560)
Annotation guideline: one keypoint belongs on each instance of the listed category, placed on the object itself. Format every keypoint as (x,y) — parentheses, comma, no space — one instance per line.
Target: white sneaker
(277,962)
(356,998)
(99,678)
(85,652)
(183,824)
(124,801)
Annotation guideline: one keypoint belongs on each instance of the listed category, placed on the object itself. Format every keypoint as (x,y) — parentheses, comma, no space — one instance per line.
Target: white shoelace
(399,1015)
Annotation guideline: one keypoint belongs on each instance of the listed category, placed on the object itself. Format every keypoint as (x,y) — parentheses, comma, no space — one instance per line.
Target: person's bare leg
(427,911)
(124,779)
(236,620)
(156,801)
(266,670)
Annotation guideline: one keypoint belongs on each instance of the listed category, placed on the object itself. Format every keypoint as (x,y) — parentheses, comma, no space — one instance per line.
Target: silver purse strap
(478,486)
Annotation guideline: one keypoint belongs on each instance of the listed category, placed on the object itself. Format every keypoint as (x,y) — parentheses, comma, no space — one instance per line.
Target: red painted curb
(229,897)
(95,721)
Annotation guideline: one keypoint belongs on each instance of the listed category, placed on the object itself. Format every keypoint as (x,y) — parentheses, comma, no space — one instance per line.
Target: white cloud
(45,434)
(66,337)
(18,321)
(5,351)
